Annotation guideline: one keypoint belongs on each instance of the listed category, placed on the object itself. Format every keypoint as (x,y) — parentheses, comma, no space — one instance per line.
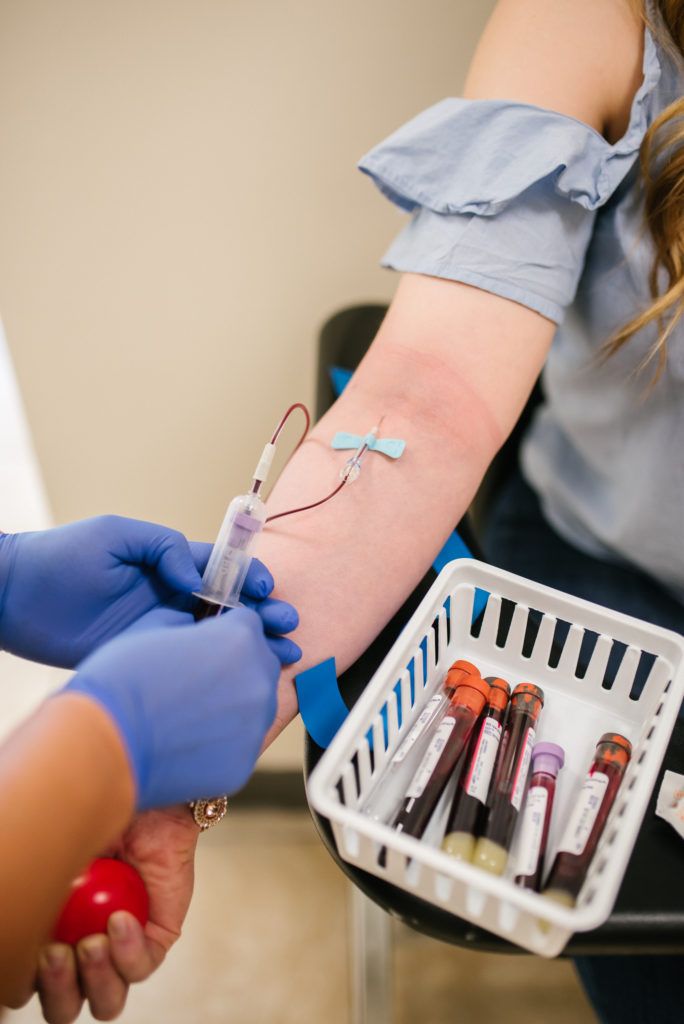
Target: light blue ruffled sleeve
(503,194)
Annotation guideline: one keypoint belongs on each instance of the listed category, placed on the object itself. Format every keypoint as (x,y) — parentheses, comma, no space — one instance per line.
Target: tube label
(584,814)
(432,756)
(523,768)
(482,765)
(418,727)
(532,830)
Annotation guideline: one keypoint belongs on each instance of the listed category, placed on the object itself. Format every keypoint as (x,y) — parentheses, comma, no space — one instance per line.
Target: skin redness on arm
(450,370)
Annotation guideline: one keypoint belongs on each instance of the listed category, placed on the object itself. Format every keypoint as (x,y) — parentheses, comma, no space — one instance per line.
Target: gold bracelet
(208,812)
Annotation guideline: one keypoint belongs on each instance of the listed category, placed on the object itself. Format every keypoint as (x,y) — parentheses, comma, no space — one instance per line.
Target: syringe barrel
(229,561)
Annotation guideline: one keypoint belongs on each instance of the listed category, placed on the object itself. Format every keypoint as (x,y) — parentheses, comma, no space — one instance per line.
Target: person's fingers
(128,948)
(102,985)
(258,582)
(200,552)
(160,618)
(277,616)
(57,984)
(286,651)
(164,550)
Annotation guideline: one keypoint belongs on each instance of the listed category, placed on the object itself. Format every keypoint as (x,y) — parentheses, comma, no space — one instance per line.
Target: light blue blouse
(537,207)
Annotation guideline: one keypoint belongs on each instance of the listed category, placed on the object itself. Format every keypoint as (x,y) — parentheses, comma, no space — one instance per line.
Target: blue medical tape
(339,378)
(320,702)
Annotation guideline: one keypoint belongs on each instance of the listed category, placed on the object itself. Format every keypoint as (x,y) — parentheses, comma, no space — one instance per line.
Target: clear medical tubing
(230,557)
(465,816)
(510,778)
(413,746)
(447,743)
(588,818)
(547,761)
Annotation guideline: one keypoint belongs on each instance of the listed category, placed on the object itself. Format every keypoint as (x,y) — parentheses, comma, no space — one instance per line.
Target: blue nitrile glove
(66,591)
(192,703)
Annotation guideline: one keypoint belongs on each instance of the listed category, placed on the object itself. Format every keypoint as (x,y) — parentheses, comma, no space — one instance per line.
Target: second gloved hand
(193,703)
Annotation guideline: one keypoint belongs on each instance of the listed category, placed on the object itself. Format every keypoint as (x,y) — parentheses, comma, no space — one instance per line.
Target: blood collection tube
(510,778)
(448,742)
(418,736)
(588,818)
(547,761)
(470,798)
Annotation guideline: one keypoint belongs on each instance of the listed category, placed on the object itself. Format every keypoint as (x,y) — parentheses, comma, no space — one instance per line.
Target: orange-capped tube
(588,818)
(510,778)
(467,811)
(458,673)
(448,742)
(415,742)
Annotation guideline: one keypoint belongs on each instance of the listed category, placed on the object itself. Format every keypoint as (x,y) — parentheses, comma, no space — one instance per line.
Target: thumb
(167,552)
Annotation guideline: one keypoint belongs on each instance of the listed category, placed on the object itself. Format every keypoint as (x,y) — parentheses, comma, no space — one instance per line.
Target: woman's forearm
(450,371)
(66,792)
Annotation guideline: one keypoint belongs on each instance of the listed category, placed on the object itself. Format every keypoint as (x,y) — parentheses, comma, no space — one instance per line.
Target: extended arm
(450,369)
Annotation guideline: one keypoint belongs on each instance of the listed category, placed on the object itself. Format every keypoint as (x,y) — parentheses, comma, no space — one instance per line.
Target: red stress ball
(106,885)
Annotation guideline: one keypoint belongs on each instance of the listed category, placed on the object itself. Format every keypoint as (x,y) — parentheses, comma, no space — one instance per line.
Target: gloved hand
(66,591)
(192,703)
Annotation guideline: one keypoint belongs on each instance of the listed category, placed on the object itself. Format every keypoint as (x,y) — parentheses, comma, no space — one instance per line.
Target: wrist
(101,746)
(114,705)
(8,554)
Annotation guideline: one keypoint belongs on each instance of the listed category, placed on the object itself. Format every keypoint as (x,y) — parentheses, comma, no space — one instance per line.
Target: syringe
(229,561)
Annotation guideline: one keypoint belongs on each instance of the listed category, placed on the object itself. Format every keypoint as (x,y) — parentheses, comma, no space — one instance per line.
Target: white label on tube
(531,830)
(432,756)
(425,716)
(584,814)
(482,765)
(522,770)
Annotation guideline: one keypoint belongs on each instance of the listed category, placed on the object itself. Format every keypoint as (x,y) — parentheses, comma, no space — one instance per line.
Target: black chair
(648,916)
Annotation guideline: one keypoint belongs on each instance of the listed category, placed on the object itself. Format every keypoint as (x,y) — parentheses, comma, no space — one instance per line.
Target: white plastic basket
(579,707)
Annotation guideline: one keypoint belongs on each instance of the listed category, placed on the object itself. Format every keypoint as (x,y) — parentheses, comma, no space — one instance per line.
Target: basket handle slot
(541,652)
(567,663)
(349,790)
(490,622)
(365,767)
(508,916)
(624,677)
(461,602)
(443,887)
(442,634)
(596,669)
(518,628)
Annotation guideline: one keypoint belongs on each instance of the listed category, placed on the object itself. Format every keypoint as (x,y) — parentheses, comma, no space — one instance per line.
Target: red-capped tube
(510,778)
(588,818)
(448,742)
(465,817)
(414,744)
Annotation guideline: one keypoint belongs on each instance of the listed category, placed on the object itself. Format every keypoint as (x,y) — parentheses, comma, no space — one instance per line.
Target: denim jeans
(517,537)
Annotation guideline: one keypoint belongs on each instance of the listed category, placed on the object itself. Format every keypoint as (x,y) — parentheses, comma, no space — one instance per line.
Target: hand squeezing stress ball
(162,710)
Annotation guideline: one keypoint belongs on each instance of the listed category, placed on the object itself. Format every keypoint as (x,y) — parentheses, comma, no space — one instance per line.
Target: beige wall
(180,210)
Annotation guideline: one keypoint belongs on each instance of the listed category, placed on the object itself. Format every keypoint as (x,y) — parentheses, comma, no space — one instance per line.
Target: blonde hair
(662,168)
